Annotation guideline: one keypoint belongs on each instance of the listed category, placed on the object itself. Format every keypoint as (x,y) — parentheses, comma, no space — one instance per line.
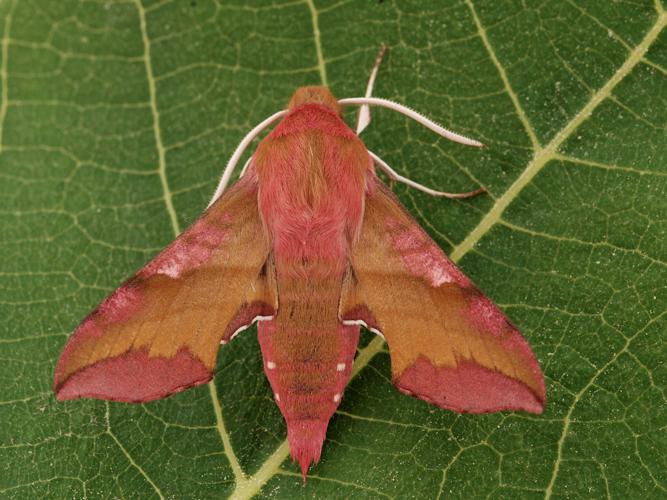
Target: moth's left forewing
(160,331)
(449,344)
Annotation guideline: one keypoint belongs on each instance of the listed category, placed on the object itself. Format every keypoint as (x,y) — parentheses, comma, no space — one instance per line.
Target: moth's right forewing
(160,331)
(449,344)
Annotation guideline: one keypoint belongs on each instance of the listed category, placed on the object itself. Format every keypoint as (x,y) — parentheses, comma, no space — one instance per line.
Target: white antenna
(238,152)
(418,117)
(364,101)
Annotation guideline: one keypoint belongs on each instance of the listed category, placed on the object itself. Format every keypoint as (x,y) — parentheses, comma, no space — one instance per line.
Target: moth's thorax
(311,171)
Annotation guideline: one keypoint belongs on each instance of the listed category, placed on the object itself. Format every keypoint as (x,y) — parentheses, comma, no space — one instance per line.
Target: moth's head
(314,95)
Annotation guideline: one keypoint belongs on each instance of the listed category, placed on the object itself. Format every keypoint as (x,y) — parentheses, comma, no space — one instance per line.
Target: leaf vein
(162,162)
(128,456)
(568,417)
(4,77)
(239,475)
(503,76)
(543,155)
(321,65)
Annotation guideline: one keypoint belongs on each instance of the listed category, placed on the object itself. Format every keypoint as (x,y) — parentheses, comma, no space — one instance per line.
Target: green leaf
(116,119)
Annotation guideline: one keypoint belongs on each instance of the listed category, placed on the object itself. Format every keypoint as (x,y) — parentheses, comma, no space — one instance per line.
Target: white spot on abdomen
(277,396)
(270,365)
(340,367)
(336,398)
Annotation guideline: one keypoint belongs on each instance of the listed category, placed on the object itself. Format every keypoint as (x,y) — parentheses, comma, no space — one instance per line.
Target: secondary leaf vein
(321,66)
(4,77)
(503,76)
(239,476)
(128,456)
(162,162)
(568,417)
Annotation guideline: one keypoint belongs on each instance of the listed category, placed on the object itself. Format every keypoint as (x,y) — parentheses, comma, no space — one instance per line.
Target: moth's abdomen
(308,357)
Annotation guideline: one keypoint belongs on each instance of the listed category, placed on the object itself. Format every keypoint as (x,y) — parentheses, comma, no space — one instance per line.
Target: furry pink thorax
(311,188)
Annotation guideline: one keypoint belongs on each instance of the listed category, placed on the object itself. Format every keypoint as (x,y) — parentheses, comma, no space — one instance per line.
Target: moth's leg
(364,116)
(395,176)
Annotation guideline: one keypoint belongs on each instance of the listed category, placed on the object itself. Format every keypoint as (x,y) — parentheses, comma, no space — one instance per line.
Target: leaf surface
(116,119)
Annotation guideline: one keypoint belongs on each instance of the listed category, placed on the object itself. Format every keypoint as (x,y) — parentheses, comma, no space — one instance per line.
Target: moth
(311,245)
